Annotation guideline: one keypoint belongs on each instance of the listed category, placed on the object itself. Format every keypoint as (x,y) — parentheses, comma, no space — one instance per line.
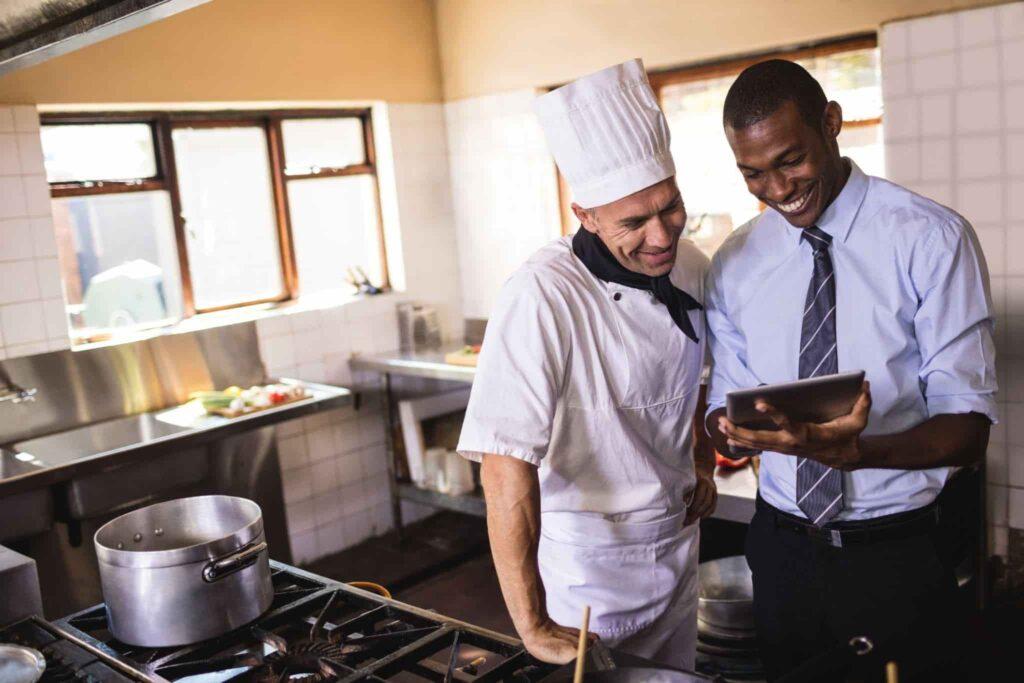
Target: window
(227,207)
(717,200)
(163,215)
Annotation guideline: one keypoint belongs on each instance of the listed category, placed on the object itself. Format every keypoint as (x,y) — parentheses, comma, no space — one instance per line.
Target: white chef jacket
(593,382)
(913,311)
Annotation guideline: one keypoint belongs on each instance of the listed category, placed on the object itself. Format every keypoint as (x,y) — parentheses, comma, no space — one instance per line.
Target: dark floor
(426,549)
(469,592)
(442,563)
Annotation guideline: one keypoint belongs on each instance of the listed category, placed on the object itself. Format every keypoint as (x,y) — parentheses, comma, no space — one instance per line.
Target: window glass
(334,226)
(716,197)
(312,144)
(713,190)
(228,207)
(96,152)
(119,260)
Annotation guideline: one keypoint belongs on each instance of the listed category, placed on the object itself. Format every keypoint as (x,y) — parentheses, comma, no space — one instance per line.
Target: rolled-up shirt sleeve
(954,323)
(520,373)
(729,369)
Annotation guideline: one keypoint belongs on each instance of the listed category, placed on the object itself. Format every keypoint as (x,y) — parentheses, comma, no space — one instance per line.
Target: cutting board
(228,412)
(462,357)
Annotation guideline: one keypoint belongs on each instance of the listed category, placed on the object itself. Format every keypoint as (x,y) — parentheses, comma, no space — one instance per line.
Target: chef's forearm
(703,448)
(941,441)
(512,492)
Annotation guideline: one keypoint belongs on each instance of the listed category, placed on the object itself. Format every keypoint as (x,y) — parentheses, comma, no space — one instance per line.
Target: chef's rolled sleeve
(519,375)
(954,323)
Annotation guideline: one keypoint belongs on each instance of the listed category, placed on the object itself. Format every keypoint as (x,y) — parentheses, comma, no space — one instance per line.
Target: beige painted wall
(233,50)
(490,46)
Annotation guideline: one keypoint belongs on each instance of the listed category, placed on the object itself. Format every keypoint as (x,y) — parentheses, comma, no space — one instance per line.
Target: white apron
(640,580)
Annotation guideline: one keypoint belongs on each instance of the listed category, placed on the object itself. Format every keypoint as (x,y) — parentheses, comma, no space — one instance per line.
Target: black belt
(838,534)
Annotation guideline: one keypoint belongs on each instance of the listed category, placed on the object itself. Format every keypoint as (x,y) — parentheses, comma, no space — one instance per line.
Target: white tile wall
(31,299)
(416,178)
(959,111)
(504,191)
(332,465)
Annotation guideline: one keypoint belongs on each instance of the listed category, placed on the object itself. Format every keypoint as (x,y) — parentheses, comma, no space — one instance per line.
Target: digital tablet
(818,399)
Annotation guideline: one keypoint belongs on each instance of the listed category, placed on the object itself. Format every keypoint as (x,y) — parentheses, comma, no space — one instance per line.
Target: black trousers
(811,598)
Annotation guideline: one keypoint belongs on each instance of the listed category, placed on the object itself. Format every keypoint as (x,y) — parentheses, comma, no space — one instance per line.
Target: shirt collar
(837,219)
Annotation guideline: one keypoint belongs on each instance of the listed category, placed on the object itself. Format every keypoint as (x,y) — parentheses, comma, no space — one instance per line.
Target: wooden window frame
(162,123)
(730,66)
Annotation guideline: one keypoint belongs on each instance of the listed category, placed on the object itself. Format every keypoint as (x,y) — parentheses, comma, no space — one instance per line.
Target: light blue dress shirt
(913,310)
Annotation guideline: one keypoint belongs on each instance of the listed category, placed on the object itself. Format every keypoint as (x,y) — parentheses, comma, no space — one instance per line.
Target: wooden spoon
(581,649)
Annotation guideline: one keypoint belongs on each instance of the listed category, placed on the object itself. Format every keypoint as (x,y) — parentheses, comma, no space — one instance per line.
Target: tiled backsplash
(32,318)
(953,87)
(504,191)
(333,465)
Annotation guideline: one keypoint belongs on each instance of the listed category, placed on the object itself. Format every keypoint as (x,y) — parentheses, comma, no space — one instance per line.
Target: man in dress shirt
(843,272)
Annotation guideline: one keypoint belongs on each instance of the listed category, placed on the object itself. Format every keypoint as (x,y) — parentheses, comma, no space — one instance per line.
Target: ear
(833,120)
(585,217)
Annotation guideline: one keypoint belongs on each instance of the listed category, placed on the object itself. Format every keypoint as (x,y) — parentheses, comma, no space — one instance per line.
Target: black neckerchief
(589,248)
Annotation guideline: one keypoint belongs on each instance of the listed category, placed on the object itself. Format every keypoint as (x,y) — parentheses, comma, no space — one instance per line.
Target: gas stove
(321,630)
(316,630)
(67,659)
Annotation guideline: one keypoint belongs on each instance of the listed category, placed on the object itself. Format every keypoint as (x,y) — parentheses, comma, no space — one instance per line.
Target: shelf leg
(389,445)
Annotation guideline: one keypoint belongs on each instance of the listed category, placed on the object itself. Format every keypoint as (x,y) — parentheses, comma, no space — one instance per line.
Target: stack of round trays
(726,640)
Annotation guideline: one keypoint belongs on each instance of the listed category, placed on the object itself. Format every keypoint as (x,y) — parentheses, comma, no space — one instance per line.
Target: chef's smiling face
(791,166)
(641,230)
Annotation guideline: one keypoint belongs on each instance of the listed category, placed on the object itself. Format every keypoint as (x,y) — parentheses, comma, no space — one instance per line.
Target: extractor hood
(32,31)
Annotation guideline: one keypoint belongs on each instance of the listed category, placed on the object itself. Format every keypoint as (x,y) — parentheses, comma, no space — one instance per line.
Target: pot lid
(20,664)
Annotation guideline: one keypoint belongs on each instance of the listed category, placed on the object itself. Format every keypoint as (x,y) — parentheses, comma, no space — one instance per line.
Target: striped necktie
(819,488)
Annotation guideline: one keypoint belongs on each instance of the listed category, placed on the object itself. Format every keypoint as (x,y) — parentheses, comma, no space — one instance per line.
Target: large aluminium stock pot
(185,570)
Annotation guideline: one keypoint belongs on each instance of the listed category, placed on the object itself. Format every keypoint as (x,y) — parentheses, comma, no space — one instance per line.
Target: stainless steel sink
(16,464)
(133,431)
(23,514)
(93,494)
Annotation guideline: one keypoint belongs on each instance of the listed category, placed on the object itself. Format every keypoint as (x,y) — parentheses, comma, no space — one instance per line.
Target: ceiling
(32,31)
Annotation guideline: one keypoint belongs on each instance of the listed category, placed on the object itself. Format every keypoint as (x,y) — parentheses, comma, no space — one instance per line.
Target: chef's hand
(704,499)
(835,443)
(552,643)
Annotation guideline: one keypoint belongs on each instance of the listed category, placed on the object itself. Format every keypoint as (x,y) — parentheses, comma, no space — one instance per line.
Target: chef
(582,410)
(844,271)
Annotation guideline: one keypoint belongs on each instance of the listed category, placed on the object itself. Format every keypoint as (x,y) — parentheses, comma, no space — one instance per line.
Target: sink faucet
(9,391)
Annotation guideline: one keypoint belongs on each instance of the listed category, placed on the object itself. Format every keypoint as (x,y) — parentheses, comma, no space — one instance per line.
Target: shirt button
(617,295)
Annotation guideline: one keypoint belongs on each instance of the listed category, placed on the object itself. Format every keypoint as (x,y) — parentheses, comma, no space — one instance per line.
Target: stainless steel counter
(47,460)
(428,364)
(737,489)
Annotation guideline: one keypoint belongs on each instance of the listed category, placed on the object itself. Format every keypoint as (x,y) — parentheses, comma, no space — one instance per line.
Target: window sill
(203,321)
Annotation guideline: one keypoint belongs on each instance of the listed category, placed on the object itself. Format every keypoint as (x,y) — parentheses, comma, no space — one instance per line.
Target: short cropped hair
(761,89)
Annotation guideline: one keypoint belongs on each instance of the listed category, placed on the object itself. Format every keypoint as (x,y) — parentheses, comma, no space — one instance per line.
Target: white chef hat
(607,133)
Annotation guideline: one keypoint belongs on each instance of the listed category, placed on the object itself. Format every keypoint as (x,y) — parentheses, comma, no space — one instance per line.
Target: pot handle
(229,564)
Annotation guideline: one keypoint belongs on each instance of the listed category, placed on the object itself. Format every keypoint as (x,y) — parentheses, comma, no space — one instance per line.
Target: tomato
(729,463)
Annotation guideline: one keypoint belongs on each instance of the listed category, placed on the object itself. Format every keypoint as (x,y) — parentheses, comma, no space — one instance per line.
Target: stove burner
(318,631)
(303,659)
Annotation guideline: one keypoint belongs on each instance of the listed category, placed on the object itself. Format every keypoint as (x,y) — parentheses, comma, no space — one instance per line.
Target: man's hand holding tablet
(819,418)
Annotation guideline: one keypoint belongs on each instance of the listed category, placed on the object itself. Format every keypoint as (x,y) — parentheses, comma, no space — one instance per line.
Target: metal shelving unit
(736,490)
